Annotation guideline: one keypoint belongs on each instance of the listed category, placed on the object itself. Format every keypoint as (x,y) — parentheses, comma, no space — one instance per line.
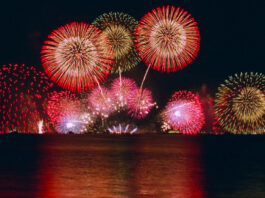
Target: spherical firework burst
(140,103)
(119,28)
(121,90)
(167,38)
(22,90)
(62,107)
(240,103)
(101,102)
(76,56)
(184,112)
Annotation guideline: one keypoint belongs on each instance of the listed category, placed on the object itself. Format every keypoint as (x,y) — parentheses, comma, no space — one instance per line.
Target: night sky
(232,37)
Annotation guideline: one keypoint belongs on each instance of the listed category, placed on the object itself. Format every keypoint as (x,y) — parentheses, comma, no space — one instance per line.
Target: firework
(22,90)
(101,102)
(68,114)
(140,103)
(76,55)
(240,103)
(122,129)
(58,102)
(184,112)
(70,122)
(119,28)
(63,107)
(167,39)
(165,126)
(121,89)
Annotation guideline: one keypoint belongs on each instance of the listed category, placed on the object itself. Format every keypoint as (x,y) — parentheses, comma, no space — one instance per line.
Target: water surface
(132,166)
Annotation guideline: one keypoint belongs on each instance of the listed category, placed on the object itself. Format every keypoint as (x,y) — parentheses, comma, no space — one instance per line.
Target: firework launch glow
(70,122)
(75,55)
(184,113)
(240,103)
(120,129)
(167,39)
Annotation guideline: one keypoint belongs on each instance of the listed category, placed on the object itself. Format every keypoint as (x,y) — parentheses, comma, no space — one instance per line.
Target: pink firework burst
(184,112)
(76,55)
(167,39)
(121,89)
(140,103)
(60,104)
(22,91)
(101,102)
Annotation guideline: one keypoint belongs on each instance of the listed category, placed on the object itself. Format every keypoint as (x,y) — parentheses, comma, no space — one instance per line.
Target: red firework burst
(22,90)
(101,101)
(76,56)
(140,103)
(167,39)
(184,112)
(121,90)
(60,104)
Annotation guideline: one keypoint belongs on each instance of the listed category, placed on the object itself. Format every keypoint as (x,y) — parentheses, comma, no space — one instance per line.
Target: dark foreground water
(132,166)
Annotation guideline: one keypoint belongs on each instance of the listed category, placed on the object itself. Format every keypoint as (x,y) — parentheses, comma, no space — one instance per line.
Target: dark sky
(232,36)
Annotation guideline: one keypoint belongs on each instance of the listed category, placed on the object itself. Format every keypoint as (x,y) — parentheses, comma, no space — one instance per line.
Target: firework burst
(240,103)
(22,90)
(140,103)
(101,102)
(167,39)
(63,106)
(75,55)
(119,28)
(184,112)
(70,122)
(122,89)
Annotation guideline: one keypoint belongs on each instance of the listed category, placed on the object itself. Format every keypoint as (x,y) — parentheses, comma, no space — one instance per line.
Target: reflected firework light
(140,103)
(240,103)
(119,29)
(75,55)
(167,39)
(101,102)
(22,91)
(122,89)
(184,112)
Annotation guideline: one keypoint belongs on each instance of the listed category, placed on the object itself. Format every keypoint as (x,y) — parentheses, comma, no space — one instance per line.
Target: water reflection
(169,168)
(137,166)
(122,167)
(19,166)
